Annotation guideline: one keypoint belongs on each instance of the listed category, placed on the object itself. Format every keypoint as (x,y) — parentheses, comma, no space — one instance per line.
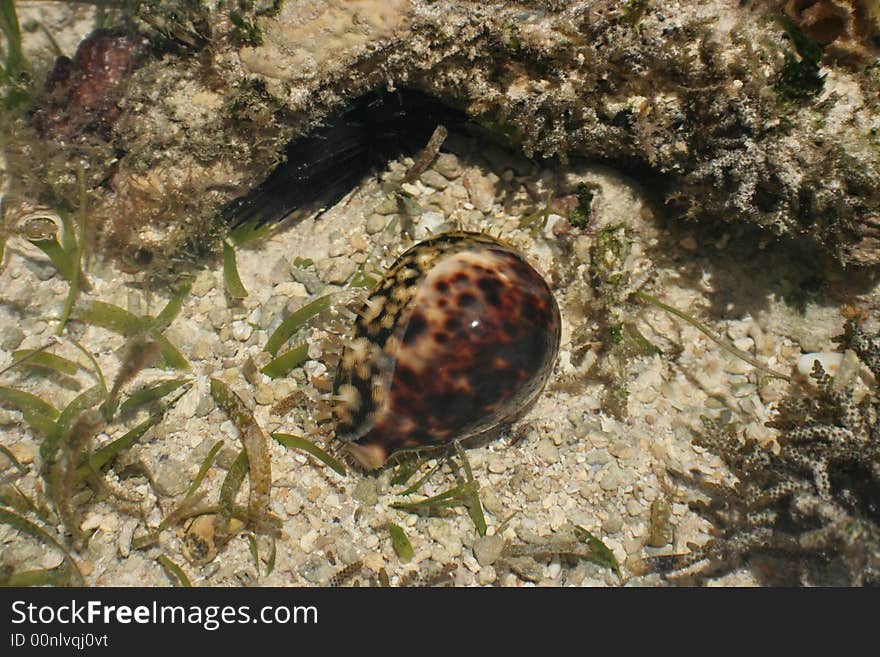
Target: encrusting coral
(714,102)
(809,513)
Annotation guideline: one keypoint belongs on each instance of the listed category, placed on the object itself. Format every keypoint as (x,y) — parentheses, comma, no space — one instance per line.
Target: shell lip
(375,455)
(371,456)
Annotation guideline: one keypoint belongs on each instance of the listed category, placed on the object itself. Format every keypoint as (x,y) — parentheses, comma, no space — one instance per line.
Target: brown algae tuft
(809,512)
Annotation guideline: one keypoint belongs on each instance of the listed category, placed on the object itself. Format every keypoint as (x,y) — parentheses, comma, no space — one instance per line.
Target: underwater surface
(326,314)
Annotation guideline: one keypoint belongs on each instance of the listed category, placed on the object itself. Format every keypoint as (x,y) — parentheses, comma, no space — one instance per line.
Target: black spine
(326,164)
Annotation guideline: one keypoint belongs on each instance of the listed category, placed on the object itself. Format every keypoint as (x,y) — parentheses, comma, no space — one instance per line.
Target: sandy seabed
(568,462)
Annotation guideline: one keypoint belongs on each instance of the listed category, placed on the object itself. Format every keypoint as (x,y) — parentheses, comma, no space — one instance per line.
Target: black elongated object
(326,164)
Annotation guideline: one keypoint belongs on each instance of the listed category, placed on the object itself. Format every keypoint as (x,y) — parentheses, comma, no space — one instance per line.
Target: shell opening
(371,457)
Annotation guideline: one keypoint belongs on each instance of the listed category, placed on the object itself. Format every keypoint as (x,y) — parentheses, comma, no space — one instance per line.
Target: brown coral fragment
(83,93)
(848,29)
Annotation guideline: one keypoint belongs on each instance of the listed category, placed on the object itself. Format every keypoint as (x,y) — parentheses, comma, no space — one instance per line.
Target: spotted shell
(456,339)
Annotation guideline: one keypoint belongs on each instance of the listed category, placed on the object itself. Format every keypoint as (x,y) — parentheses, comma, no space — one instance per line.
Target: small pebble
(613,478)
(202,350)
(375,223)
(481,189)
(447,165)
(740,390)
(491,502)
(633,508)
(447,536)
(497,465)
(10,337)
(632,545)
(557,518)
(280,271)
(365,491)
(509,580)
(24,452)
(735,365)
(387,206)
(359,242)
(431,222)
(411,189)
(206,405)
(622,450)
(338,248)
(309,278)
(91,521)
(316,570)
(597,456)
(547,451)
(738,330)
(43,270)
(264,394)
(307,540)
(286,291)
(613,523)
(374,561)
(123,540)
(170,477)
(744,344)
(486,576)
(446,203)
(218,317)
(434,179)
(527,568)
(337,271)
(203,284)
(344,547)
(241,331)
(459,193)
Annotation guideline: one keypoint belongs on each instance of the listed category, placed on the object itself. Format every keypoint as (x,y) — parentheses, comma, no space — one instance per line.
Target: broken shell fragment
(829,360)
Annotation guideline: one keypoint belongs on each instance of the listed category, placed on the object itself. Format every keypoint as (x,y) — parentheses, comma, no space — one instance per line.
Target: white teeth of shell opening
(371,457)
